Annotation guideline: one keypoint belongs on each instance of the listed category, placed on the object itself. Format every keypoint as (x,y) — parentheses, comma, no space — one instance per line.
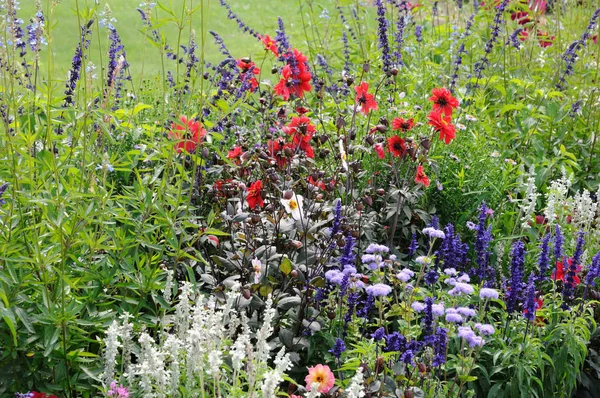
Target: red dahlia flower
(188,134)
(254,196)
(396,146)
(245,66)
(293,84)
(559,273)
(443,101)
(317,183)
(443,126)
(522,17)
(235,152)
(302,126)
(400,124)
(523,35)
(421,178)
(364,99)
(276,150)
(545,39)
(35,394)
(270,44)
(302,131)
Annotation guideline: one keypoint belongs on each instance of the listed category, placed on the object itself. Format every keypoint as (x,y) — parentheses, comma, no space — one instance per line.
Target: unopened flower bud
(379,365)
(366,67)
(289,194)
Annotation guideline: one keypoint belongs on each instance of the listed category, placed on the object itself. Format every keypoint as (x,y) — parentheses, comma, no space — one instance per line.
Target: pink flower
(322,375)
(379,150)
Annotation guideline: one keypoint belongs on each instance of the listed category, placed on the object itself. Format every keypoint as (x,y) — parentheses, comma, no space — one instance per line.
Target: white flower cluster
(557,195)
(583,210)
(528,203)
(192,346)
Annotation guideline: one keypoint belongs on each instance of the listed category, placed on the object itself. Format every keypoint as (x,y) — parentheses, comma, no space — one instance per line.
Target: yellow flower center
(293,204)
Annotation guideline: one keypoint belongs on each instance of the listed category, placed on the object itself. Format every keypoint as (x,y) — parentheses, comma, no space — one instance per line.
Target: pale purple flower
(405,275)
(437,309)
(464,278)
(485,329)
(378,290)
(453,316)
(375,248)
(487,293)
(434,233)
(466,311)
(470,337)
(417,306)
(450,272)
(450,281)
(461,288)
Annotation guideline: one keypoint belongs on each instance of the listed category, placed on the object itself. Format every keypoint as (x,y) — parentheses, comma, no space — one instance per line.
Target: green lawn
(142,56)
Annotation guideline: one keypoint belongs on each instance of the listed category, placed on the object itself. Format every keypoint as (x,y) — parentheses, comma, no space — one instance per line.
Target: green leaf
(286,266)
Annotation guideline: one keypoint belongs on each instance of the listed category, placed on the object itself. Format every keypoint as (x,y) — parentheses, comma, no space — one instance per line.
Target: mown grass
(143,58)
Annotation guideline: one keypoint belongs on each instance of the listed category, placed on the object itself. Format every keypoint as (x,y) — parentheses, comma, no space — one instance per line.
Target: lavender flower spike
(384,44)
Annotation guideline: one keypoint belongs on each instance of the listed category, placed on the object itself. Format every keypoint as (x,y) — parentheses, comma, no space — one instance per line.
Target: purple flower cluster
(35,31)
(558,245)
(283,43)
(453,252)
(115,52)
(419,33)
(571,271)
(515,283)
(379,334)
(338,348)
(346,24)
(414,245)
(439,349)
(234,17)
(75,71)
(428,318)
(544,259)
(489,45)
(483,270)
(593,271)
(399,36)
(2,190)
(513,39)
(529,305)
(570,56)
(221,44)
(382,33)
